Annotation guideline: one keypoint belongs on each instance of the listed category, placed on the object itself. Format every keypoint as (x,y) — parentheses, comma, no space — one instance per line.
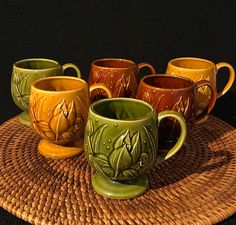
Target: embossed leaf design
(120,160)
(123,139)
(179,105)
(90,128)
(43,126)
(136,147)
(97,138)
(101,160)
(59,124)
(71,113)
(130,173)
(120,87)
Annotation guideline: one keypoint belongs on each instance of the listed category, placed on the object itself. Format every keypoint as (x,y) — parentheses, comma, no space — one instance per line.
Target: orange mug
(58,113)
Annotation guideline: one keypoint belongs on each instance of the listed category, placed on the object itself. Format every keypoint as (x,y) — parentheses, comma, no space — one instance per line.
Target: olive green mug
(120,141)
(26,71)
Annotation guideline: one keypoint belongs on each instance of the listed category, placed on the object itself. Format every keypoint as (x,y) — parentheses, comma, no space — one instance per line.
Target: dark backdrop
(81,31)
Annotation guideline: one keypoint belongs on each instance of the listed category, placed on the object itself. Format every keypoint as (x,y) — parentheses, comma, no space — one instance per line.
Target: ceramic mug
(120,75)
(27,71)
(58,113)
(201,69)
(178,94)
(121,143)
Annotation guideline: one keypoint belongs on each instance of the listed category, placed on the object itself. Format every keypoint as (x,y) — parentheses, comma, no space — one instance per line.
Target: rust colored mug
(119,75)
(201,69)
(58,113)
(177,94)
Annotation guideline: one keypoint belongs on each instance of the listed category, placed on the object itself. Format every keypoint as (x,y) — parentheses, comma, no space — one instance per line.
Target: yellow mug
(201,69)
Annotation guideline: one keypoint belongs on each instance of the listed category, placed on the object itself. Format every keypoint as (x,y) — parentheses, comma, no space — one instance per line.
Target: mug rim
(16,64)
(76,79)
(168,76)
(141,118)
(211,64)
(132,63)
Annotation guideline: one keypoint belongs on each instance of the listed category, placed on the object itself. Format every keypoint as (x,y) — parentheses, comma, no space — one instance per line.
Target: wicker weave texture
(196,186)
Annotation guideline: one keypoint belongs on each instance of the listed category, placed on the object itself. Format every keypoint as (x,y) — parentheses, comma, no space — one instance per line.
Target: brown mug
(119,75)
(177,94)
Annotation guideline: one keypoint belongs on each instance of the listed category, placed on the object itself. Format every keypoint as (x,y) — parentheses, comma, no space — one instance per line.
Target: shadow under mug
(166,92)
(120,141)
(201,69)
(119,75)
(58,113)
(25,72)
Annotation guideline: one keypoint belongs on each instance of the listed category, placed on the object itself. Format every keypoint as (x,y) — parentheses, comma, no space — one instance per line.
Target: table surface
(223,110)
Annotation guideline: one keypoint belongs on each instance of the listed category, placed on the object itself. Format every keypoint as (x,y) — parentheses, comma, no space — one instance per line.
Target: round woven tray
(197,186)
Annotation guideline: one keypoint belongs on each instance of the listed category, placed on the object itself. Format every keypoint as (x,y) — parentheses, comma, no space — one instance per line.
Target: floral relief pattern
(19,90)
(127,157)
(120,87)
(63,124)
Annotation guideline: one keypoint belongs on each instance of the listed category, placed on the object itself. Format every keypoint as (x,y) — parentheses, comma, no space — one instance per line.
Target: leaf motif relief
(179,105)
(127,83)
(97,138)
(120,160)
(122,139)
(157,102)
(71,113)
(120,87)
(101,160)
(130,173)
(186,106)
(90,127)
(136,147)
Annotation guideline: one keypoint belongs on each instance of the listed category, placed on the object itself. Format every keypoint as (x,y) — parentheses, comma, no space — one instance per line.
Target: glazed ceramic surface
(121,143)
(201,69)
(120,75)
(58,112)
(178,94)
(27,71)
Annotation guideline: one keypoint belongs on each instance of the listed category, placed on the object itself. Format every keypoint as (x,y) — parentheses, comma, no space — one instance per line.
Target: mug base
(54,151)
(24,118)
(119,189)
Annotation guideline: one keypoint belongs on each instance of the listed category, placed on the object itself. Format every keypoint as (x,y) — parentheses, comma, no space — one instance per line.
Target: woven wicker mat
(197,186)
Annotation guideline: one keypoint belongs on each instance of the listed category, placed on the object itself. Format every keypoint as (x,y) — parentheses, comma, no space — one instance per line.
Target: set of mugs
(120,122)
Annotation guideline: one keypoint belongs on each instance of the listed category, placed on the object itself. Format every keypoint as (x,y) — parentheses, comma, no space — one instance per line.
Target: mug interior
(36,64)
(114,63)
(59,84)
(167,82)
(121,109)
(192,63)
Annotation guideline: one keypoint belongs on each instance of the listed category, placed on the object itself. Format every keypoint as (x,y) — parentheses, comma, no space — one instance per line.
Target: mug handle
(230,80)
(183,133)
(143,64)
(202,83)
(100,86)
(73,66)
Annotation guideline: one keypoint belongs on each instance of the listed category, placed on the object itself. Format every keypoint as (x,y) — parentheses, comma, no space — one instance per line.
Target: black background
(151,31)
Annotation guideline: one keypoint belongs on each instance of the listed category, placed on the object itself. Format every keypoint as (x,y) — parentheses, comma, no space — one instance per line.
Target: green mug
(120,141)
(26,71)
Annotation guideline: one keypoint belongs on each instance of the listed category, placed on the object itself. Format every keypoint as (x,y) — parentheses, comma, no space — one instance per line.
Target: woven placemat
(196,186)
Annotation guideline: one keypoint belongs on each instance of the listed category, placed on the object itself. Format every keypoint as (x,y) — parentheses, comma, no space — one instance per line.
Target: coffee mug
(27,71)
(121,143)
(174,93)
(58,113)
(119,75)
(201,69)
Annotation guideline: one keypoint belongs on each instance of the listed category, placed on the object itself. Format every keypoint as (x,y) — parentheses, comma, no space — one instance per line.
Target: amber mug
(58,113)
(119,75)
(201,69)
(25,72)
(177,94)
